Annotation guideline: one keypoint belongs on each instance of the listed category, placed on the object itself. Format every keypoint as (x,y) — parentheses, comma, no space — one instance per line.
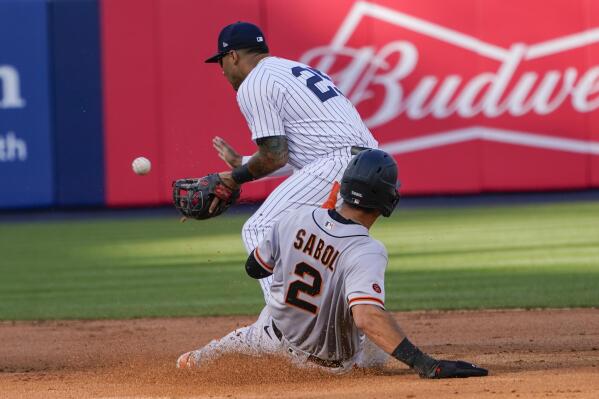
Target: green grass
(482,257)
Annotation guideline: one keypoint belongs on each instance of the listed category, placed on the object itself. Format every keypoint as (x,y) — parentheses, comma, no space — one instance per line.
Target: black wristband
(409,354)
(242,174)
(406,352)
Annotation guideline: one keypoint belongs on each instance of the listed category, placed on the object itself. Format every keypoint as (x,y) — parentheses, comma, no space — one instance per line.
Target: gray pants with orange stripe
(259,338)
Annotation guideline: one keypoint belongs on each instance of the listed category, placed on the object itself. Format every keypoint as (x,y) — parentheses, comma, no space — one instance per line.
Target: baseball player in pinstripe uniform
(299,120)
(328,284)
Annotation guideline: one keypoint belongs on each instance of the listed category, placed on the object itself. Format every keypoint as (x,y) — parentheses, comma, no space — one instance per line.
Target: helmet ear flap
(394,203)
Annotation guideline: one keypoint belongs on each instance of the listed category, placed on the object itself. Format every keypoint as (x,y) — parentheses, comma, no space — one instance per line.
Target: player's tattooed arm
(273,153)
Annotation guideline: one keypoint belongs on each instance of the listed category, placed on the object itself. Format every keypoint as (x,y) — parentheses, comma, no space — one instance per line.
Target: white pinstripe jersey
(283,97)
(322,266)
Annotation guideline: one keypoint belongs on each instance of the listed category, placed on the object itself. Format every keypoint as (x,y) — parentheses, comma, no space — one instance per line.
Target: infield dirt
(530,354)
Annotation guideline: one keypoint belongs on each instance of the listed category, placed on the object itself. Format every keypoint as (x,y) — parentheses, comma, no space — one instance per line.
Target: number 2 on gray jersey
(301,269)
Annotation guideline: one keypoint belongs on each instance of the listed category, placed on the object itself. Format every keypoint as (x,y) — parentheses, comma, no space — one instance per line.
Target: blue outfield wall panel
(77,102)
(26,164)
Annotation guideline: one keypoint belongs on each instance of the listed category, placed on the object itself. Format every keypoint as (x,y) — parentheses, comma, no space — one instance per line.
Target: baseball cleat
(182,360)
(188,360)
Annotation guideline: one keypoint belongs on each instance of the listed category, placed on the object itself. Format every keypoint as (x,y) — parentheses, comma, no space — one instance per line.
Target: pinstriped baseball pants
(309,186)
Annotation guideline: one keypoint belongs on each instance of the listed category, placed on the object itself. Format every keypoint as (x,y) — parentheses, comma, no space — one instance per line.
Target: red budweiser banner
(469,96)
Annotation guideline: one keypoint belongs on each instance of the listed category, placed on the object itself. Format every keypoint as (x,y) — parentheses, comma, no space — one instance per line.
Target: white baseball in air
(141,166)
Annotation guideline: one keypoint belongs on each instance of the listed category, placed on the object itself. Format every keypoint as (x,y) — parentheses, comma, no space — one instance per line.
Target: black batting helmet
(370,181)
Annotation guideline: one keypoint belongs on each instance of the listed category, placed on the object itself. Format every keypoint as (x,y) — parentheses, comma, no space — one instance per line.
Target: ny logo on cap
(225,44)
(259,39)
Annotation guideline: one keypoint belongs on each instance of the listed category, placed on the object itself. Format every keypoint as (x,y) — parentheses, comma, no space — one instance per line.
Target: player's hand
(454,369)
(226,152)
(228,181)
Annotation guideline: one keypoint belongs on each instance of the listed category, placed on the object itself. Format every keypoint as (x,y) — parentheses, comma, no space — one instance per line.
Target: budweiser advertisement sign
(529,104)
(468,95)
(514,85)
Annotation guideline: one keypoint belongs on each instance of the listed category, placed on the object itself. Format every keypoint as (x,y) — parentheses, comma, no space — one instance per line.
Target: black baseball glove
(192,197)
(453,369)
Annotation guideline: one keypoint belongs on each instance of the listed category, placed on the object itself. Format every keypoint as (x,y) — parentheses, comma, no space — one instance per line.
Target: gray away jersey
(281,97)
(321,268)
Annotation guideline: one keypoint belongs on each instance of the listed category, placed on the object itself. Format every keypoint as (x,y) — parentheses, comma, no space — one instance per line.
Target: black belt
(311,358)
(325,363)
(356,149)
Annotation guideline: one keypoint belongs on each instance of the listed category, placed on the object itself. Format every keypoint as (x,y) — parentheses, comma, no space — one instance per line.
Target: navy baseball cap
(236,36)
